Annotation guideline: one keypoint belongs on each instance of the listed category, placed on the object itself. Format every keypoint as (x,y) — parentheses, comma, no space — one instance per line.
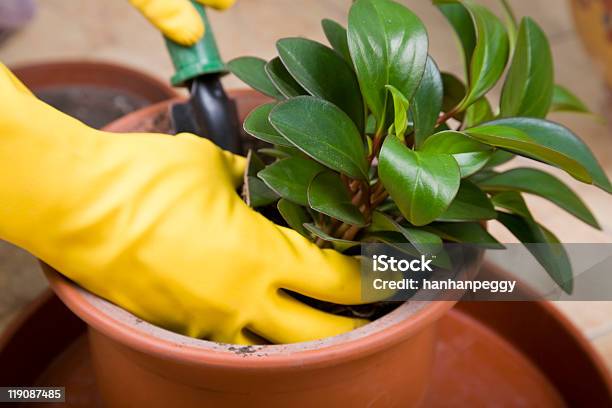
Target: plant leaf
(470,204)
(323,73)
(280,152)
(339,244)
(465,232)
(511,25)
(337,37)
(488,61)
(469,154)
(421,184)
(461,21)
(388,45)
(290,178)
(327,194)
(561,139)
(542,184)
(564,100)
(454,92)
(425,242)
(258,125)
(255,192)
(251,70)
(528,89)
(477,113)
(324,132)
(400,109)
(294,215)
(512,201)
(552,257)
(282,79)
(517,141)
(499,157)
(427,103)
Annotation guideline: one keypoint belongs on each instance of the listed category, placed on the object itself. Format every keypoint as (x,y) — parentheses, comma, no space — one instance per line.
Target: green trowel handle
(199,59)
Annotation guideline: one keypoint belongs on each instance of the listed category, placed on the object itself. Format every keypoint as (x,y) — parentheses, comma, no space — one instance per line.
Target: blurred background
(110,30)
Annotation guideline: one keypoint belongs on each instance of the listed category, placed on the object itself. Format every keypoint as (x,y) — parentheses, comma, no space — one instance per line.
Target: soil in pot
(96,93)
(93,105)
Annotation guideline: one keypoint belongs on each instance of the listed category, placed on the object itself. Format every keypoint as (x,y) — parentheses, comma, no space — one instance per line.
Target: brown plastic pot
(386,363)
(93,92)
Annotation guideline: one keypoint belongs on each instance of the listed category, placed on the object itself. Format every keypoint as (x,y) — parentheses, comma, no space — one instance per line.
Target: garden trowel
(208,112)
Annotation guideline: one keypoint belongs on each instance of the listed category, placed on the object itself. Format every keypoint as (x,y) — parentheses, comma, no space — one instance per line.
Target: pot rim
(125,328)
(46,74)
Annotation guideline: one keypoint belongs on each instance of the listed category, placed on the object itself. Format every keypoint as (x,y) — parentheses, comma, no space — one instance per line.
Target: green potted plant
(368,142)
(372,137)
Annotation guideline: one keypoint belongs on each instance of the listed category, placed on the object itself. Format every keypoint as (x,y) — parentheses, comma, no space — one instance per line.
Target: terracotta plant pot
(94,92)
(386,363)
(593,19)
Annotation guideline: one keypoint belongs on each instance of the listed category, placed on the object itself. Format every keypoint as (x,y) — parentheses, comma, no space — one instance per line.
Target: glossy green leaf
(466,232)
(528,89)
(258,125)
(324,132)
(470,204)
(388,45)
(511,24)
(564,100)
(542,184)
(290,178)
(454,92)
(512,201)
(552,257)
(251,70)
(499,157)
(462,23)
(255,192)
(337,37)
(339,244)
(561,139)
(427,103)
(469,154)
(517,141)
(329,196)
(280,152)
(490,55)
(421,184)
(425,242)
(282,79)
(323,73)
(478,112)
(294,215)
(400,111)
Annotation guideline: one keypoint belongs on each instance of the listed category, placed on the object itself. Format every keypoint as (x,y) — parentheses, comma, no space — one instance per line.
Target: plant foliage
(372,141)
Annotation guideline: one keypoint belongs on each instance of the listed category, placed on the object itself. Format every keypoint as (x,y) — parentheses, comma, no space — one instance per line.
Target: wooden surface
(111,30)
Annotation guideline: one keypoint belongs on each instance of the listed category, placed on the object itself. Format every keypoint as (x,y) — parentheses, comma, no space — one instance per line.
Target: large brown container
(386,363)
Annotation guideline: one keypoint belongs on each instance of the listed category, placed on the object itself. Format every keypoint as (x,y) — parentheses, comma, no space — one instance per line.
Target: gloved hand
(178,19)
(152,223)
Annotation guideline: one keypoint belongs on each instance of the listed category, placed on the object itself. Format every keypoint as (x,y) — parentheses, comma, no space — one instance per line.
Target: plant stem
(445,117)
(320,242)
(350,234)
(341,229)
(378,200)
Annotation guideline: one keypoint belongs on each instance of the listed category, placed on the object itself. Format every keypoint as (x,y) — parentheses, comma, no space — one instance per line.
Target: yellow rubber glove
(178,19)
(152,223)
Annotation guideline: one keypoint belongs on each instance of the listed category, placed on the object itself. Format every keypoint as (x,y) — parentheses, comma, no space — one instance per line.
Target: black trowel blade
(209,113)
(182,119)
